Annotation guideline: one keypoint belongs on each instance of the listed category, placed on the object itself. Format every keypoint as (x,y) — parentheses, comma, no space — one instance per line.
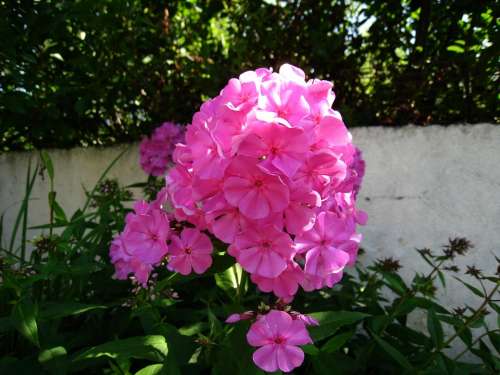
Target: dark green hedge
(106,71)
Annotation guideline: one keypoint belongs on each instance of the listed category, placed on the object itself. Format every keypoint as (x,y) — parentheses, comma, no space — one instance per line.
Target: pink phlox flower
(227,222)
(254,191)
(241,94)
(332,129)
(358,167)
(278,336)
(161,200)
(264,251)
(234,318)
(308,320)
(191,251)
(320,91)
(315,282)
(156,152)
(182,155)
(145,236)
(229,124)
(282,101)
(321,245)
(321,170)
(300,214)
(142,244)
(180,189)
(285,285)
(209,161)
(277,146)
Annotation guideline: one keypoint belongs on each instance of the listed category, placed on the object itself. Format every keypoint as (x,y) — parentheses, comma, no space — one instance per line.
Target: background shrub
(104,71)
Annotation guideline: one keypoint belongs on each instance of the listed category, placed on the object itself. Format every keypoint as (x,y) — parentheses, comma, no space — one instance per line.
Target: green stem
(405,297)
(471,318)
(473,343)
(465,325)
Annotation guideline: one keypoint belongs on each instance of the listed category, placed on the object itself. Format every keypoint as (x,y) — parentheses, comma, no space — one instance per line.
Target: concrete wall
(422,185)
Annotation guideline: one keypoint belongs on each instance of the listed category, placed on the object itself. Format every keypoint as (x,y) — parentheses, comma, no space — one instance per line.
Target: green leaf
(221,263)
(193,329)
(310,349)
(442,279)
(23,211)
(393,352)
(434,327)
(495,340)
(152,347)
(47,163)
(157,369)
(52,353)
(60,310)
(464,334)
(59,212)
(57,56)
(336,342)
(24,317)
(230,279)
(395,282)
(455,48)
(473,289)
(331,321)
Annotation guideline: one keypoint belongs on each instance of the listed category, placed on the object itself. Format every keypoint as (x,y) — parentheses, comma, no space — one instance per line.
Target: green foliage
(95,72)
(61,312)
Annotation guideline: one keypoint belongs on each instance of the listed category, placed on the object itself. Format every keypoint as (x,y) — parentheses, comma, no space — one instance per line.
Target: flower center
(258,183)
(188,250)
(323,242)
(279,340)
(266,244)
(283,113)
(274,150)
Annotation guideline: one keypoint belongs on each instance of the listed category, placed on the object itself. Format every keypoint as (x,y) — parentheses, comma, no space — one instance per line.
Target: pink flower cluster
(143,244)
(156,151)
(269,168)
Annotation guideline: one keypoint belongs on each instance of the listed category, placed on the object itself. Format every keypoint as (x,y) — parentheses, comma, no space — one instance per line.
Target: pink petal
(235,188)
(297,334)
(200,262)
(265,358)
(287,164)
(258,334)
(278,322)
(180,264)
(233,318)
(278,196)
(250,259)
(254,205)
(226,227)
(271,264)
(289,357)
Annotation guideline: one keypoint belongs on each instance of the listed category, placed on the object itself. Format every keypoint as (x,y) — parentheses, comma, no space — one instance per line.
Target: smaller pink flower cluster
(277,336)
(147,240)
(156,151)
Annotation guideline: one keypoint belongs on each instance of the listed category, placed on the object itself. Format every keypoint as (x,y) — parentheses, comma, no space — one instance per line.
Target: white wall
(425,184)
(422,185)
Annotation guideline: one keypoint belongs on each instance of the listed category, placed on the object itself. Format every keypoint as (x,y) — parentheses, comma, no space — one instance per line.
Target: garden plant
(241,261)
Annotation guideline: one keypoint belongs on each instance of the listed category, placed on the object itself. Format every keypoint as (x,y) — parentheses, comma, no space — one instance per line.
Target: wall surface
(422,185)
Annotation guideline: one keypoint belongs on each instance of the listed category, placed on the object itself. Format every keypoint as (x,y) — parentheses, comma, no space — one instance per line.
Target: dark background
(95,72)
